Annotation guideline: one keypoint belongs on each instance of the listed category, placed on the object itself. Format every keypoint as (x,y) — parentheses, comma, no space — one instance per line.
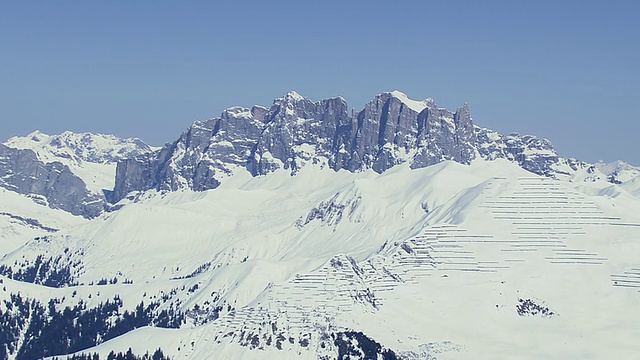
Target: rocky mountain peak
(295,131)
(293,96)
(69,171)
(79,147)
(51,184)
(391,129)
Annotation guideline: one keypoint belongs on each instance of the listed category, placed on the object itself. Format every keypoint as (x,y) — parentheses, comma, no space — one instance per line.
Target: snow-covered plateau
(403,231)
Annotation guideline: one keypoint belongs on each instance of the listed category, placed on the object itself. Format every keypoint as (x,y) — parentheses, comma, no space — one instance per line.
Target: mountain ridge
(69,171)
(294,131)
(391,129)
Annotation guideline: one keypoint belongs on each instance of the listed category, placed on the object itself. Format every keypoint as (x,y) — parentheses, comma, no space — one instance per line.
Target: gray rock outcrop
(532,153)
(53,183)
(294,131)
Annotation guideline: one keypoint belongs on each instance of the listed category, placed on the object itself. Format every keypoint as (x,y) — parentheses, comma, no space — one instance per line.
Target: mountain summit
(391,129)
(69,171)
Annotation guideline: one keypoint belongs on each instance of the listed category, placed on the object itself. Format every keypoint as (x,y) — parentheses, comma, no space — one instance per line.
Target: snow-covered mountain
(392,129)
(48,183)
(295,131)
(72,172)
(91,157)
(403,231)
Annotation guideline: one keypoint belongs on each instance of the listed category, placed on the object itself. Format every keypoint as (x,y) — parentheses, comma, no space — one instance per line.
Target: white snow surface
(602,177)
(22,219)
(414,105)
(443,255)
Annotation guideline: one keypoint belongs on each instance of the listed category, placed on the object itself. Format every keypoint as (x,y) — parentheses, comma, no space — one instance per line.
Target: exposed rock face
(383,135)
(91,157)
(207,151)
(52,183)
(294,131)
(531,153)
(297,131)
(137,173)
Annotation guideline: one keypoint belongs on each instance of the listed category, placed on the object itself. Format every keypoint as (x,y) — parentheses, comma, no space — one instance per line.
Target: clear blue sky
(564,70)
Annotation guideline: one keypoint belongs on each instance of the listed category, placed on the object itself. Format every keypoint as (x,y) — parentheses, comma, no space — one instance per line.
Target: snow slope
(431,263)
(23,218)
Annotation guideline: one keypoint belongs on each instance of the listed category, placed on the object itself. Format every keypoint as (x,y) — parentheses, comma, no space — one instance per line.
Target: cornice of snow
(414,105)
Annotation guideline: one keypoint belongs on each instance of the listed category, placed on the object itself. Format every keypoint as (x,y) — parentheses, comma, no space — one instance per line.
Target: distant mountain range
(392,129)
(306,230)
